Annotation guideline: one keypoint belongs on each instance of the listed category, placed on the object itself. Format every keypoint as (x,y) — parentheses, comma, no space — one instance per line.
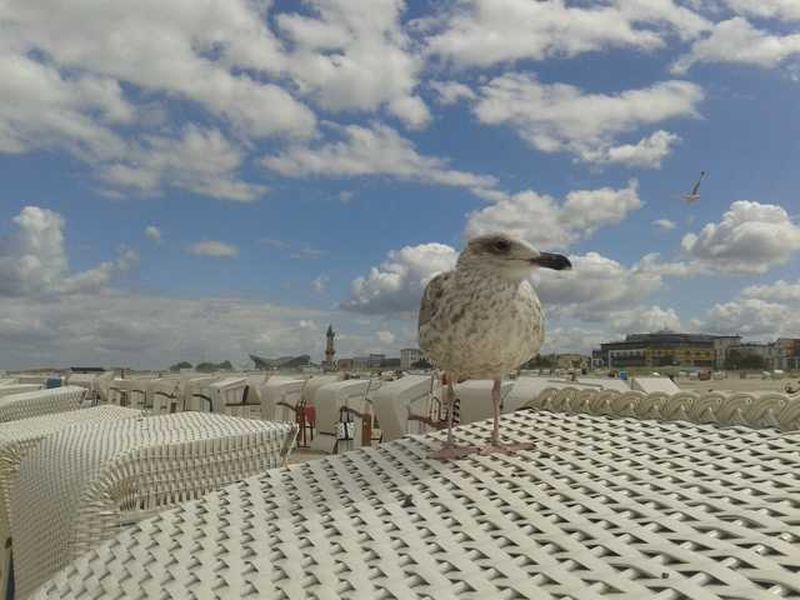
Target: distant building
(375,361)
(284,362)
(786,354)
(391,362)
(408,356)
(667,349)
(330,350)
(345,364)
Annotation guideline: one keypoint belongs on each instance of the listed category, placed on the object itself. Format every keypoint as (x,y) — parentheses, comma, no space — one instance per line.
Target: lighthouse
(330,351)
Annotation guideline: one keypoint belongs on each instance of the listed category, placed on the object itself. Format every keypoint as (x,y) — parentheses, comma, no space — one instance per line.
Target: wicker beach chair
(40,402)
(18,388)
(600,507)
(344,415)
(18,438)
(403,406)
(81,485)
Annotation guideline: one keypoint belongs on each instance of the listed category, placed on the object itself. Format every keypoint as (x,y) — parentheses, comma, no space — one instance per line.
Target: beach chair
(344,415)
(81,485)
(17,439)
(281,398)
(40,402)
(403,406)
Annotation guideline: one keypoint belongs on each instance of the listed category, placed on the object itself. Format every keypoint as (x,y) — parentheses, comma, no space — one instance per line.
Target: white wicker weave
(79,486)
(18,438)
(475,399)
(600,508)
(403,406)
(281,397)
(344,415)
(18,388)
(768,410)
(40,402)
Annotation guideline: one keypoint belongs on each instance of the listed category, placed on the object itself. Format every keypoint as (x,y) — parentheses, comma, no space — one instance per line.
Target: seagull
(483,319)
(694,195)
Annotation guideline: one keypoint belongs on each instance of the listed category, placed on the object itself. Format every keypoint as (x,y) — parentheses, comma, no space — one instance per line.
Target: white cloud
(33,259)
(201,160)
(450,92)
(596,288)
(482,33)
(168,47)
(214,248)
(152,233)
(737,41)
(412,111)
(665,224)
(562,118)
(648,152)
(123,328)
(386,337)
(540,220)
(780,291)
(647,319)
(752,317)
(42,108)
(350,55)
(372,151)
(751,238)
(788,10)
(320,283)
(395,287)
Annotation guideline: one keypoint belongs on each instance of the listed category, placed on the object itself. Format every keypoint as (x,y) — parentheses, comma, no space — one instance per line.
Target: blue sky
(184,185)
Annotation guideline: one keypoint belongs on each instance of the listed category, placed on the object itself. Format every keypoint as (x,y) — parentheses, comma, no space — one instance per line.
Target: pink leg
(495,445)
(450,450)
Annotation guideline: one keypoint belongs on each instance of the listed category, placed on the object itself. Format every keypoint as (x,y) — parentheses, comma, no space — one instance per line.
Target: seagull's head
(508,256)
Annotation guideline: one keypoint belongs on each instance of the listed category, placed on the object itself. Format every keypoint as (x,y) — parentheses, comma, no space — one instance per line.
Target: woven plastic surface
(17,438)
(600,508)
(767,410)
(40,402)
(79,486)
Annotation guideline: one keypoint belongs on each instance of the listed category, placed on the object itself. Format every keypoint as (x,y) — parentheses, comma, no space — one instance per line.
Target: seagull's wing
(431,298)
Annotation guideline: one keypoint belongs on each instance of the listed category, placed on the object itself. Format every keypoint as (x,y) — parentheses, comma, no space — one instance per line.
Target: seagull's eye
(502,245)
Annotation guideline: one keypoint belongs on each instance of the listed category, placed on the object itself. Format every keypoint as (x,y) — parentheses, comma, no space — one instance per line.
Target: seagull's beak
(548,260)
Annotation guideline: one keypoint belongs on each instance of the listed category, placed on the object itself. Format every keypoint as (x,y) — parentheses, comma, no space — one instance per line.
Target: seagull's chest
(490,326)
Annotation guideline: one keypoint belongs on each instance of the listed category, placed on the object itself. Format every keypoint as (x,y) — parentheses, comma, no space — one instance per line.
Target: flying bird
(483,319)
(694,195)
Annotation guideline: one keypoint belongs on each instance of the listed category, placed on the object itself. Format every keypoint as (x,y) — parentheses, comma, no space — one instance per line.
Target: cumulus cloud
(647,319)
(201,160)
(751,238)
(595,288)
(737,41)
(354,56)
(320,283)
(189,54)
(33,259)
(372,151)
(395,287)
(214,248)
(787,10)
(386,337)
(753,317)
(43,109)
(450,92)
(482,33)
(780,291)
(545,223)
(563,118)
(152,233)
(648,152)
(112,328)
(665,224)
